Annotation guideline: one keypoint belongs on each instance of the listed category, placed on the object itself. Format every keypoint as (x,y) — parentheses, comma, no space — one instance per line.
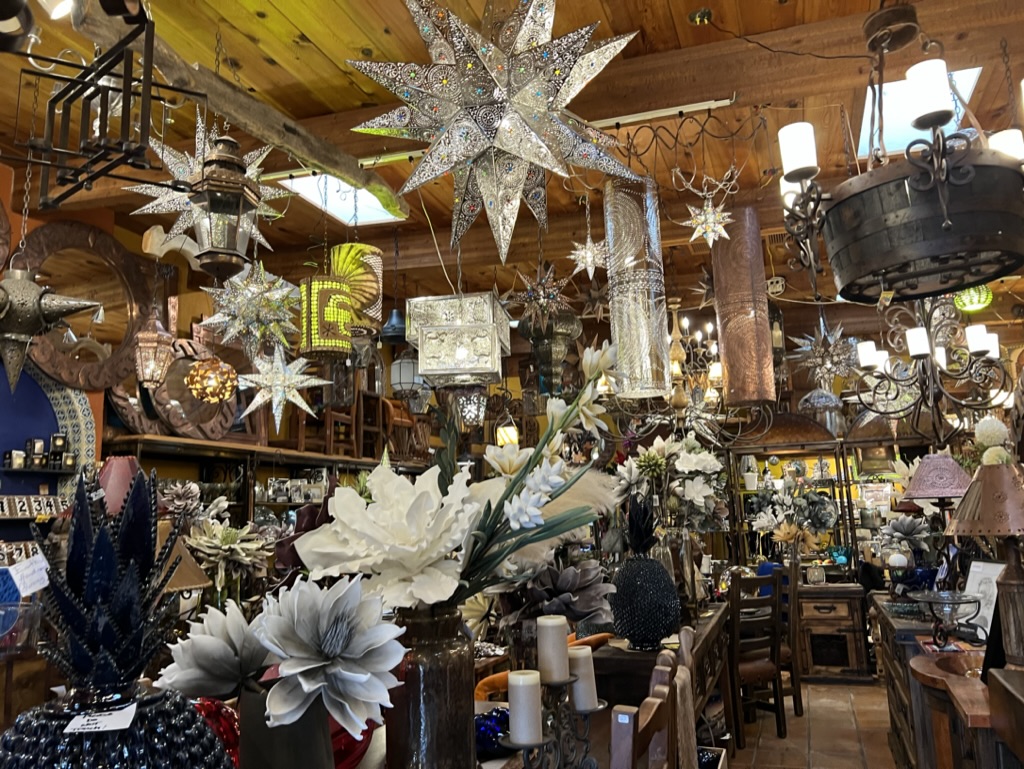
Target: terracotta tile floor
(843,727)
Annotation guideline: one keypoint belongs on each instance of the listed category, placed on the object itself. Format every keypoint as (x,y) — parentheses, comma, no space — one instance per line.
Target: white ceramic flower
(219,653)
(696,490)
(996,455)
(332,644)
(404,537)
(556,409)
(523,511)
(507,460)
(764,522)
(599,363)
(547,477)
(630,477)
(697,462)
(991,432)
(553,448)
(590,410)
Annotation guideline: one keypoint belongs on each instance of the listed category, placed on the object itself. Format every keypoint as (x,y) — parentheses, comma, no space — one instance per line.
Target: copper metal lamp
(994,507)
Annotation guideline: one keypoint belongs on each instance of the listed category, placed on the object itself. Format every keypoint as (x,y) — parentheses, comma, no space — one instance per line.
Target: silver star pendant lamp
(27,310)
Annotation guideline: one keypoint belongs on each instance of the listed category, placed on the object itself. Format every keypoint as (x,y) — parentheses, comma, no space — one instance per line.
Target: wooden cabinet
(896,645)
(833,632)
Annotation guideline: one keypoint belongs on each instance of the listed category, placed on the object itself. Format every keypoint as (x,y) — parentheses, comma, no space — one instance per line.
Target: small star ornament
(708,222)
(255,310)
(827,354)
(279,383)
(541,299)
(589,256)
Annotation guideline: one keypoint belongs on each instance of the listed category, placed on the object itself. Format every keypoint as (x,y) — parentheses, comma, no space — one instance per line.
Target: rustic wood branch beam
(246,112)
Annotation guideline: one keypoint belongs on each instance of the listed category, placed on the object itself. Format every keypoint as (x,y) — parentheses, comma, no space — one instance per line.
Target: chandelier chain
(220,52)
(1011,91)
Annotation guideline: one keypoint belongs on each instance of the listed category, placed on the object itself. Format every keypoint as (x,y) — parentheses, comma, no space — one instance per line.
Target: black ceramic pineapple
(111,616)
(645,604)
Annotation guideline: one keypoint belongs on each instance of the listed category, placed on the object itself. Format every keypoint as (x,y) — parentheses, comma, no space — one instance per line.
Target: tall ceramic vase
(430,725)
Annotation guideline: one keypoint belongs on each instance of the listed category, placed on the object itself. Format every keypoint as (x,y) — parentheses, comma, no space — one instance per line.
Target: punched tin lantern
(211,380)
(461,339)
(326,317)
(224,201)
(154,352)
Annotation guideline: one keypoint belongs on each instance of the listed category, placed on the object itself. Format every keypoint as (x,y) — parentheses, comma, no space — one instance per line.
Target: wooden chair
(755,640)
(646,730)
(788,656)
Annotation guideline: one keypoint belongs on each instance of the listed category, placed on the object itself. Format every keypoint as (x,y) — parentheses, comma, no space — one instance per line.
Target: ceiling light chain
(1011,90)
(27,188)
(221,52)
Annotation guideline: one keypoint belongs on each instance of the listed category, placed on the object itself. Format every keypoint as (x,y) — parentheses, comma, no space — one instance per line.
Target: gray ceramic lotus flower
(332,644)
(576,592)
(220,653)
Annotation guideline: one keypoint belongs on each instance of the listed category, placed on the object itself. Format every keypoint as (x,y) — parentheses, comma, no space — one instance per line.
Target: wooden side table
(833,633)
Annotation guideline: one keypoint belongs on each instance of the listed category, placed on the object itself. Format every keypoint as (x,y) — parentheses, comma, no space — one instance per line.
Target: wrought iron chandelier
(950,372)
(949,216)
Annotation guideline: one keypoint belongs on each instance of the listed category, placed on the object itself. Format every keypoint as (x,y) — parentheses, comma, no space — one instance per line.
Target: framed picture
(981,581)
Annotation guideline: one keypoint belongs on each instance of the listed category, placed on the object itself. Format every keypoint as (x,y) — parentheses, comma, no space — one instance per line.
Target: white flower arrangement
(442,540)
(996,455)
(990,432)
(326,643)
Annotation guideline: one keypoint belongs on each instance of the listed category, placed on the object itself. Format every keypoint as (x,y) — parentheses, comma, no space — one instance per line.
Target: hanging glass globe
(211,380)
(973,299)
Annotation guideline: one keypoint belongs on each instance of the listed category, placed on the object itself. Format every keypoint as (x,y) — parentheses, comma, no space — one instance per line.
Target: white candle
(584,688)
(553,649)
(524,708)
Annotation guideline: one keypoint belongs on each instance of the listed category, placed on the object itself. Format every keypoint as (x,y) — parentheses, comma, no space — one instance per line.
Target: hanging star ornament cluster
(492,106)
(541,299)
(708,222)
(279,383)
(254,310)
(589,256)
(827,354)
(182,167)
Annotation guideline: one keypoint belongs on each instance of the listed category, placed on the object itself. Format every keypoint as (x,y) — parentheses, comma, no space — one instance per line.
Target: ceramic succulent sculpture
(111,615)
(645,603)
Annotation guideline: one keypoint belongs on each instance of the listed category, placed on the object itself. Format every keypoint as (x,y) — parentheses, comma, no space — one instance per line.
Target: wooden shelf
(36,471)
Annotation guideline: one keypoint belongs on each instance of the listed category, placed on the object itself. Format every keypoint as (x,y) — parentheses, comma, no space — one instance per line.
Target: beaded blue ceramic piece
(490,726)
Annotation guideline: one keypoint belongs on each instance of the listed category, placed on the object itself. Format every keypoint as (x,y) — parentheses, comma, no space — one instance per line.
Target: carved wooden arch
(91,375)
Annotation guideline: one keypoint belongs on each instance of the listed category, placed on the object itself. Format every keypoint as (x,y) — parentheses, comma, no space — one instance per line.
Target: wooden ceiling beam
(246,112)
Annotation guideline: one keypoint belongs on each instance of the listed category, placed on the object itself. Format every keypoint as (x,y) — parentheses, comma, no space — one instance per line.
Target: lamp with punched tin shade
(993,506)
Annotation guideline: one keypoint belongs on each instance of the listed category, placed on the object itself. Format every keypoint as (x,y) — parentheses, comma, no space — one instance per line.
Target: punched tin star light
(827,354)
(181,165)
(541,299)
(254,310)
(589,256)
(708,221)
(492,106)
(279,383)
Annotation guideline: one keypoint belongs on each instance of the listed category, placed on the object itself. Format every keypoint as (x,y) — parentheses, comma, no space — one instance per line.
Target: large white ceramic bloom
(507,460)
(219,653)
(663,448)
(630,477)
(697,462)
(332,644)
(696,490)
(597,363)
(547,477)
(990,432)
(764,522)
(404,537)
(590,410)
(523,511)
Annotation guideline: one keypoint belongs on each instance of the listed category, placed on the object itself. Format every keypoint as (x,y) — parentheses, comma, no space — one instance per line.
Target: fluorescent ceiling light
(899,104)
(340,199)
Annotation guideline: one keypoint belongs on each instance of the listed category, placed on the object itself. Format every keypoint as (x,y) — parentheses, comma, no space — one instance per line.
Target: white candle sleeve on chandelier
(525,714)
(918,344)
(929,82)
(867,355)
(977,339)
(584,688)
(940,357)
(992,346)
(799,152)
(1009,142)
(553,649)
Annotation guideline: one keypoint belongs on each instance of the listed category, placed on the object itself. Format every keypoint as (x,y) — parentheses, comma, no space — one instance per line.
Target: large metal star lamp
(708,222)
(827,354)
(492,105)
(279,383)
(175,196)
(255,310)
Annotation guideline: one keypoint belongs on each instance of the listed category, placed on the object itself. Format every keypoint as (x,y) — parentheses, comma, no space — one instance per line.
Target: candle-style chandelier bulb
(977,339)
(929,82)
(867,355)
(918,344)
(799,153)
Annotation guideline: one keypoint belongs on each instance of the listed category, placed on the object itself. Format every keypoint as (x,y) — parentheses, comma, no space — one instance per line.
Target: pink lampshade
(993,505)
(939,476)
(116,478)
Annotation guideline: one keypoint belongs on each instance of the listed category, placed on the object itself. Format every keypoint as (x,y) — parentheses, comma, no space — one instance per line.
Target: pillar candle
(524,708)
(553,649)
(584,689)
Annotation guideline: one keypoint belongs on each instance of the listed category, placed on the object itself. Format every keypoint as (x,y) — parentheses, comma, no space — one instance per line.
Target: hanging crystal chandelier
(939,373)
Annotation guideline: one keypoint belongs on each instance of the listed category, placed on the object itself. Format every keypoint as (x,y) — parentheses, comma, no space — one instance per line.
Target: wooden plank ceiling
(293,54)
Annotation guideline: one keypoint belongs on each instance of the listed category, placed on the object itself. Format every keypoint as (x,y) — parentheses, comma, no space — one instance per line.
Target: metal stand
(567,733)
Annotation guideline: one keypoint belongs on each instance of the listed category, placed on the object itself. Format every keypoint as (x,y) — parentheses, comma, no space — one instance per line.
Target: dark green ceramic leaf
(102,569)
(126,602)
(136,538)
(79,540)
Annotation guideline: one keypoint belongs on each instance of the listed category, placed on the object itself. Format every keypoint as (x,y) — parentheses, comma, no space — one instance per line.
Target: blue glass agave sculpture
(111,615)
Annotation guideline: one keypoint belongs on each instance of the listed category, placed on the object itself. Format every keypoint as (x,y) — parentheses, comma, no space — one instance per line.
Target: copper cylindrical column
(741,303)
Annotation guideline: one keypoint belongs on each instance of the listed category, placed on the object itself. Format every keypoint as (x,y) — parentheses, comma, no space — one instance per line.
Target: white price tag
(31,575)
(104,721)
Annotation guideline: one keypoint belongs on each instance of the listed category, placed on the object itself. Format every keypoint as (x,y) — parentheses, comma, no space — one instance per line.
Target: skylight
(341,199)
(900,106)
